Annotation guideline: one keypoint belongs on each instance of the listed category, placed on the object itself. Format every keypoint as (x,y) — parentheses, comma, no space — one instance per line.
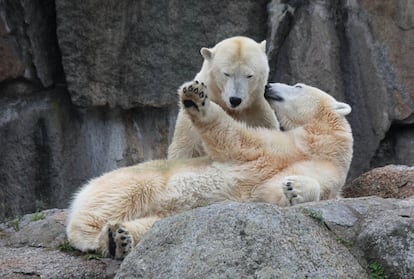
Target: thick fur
(307,163)
(235,70)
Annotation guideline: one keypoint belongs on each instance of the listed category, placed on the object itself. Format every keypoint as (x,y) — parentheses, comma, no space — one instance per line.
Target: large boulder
(387,182)
(264,241)
(240,241)
(331,239)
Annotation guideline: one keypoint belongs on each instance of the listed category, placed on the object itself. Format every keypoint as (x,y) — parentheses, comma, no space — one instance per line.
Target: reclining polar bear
(308,162)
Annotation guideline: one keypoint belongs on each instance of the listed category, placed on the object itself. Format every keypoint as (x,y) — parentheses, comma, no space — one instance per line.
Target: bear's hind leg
(83,230)
(118,238)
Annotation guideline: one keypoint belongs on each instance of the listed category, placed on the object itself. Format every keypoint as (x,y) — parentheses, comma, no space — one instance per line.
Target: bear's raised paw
(193,96)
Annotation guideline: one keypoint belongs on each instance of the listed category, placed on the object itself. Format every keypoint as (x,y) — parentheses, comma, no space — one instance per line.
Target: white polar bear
(307,163)
(236,72)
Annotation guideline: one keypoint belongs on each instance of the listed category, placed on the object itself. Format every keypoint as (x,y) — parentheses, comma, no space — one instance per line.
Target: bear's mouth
(269,95)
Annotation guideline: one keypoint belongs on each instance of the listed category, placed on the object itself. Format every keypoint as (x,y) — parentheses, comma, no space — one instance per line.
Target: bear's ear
(342,108)
(263,46)
(207,53)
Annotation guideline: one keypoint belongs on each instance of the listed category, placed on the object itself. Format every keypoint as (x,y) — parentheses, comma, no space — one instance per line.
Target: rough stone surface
(387,182)
(28,41)
(29,248)
(329,239)
(129,53)
(240,241)
(261,240)
(49,149)
(396,253)
(375,230)
(28,262)
(121,59)
(42,229)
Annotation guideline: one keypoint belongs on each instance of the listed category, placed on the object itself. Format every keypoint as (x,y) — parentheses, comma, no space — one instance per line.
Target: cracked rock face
(137,53)
(86,87)
(360,52)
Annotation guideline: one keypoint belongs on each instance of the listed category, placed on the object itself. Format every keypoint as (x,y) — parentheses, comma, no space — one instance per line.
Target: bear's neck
(339,138)
(327,121)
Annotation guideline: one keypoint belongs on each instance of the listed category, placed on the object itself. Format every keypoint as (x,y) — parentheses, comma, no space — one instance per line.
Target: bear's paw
(120,241)
(300,188)
(193,96)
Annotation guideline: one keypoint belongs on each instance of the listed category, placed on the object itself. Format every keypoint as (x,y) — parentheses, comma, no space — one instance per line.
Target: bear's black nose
(235,101)
(267,88)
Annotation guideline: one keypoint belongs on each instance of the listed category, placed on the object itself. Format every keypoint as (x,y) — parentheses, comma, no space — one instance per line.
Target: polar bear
(236,72)
(308,162)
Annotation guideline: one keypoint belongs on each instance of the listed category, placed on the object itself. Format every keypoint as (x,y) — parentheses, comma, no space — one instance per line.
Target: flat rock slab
(29,262)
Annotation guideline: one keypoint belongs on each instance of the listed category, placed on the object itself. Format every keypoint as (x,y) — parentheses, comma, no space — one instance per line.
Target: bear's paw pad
(193,95)
(120,241)
(292,190)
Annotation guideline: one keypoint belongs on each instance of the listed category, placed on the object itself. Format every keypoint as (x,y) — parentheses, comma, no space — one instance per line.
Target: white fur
(308,162)
(234,68)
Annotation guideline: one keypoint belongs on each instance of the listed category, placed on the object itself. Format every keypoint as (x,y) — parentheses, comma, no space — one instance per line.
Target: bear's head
(238,70)
(299,104)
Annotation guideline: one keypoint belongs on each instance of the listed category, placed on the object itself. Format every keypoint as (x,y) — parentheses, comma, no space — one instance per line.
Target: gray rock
(375,230)
(329,239)
(28,41)
(35,246)
(388,239)
(49,149)
(240,241)
(404,155)
(42,229)
(392,181)
(28,262)
(134,53)
(360,51)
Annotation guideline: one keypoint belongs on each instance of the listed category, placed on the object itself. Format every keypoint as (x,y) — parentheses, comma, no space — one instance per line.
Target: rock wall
(89,86)
(360,52)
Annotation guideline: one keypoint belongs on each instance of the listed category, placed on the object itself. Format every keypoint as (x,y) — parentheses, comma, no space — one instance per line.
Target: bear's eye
(298,86)
(249,76)
(226,74)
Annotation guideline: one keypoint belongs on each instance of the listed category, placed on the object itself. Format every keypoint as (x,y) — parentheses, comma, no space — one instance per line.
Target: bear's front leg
(224,138)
